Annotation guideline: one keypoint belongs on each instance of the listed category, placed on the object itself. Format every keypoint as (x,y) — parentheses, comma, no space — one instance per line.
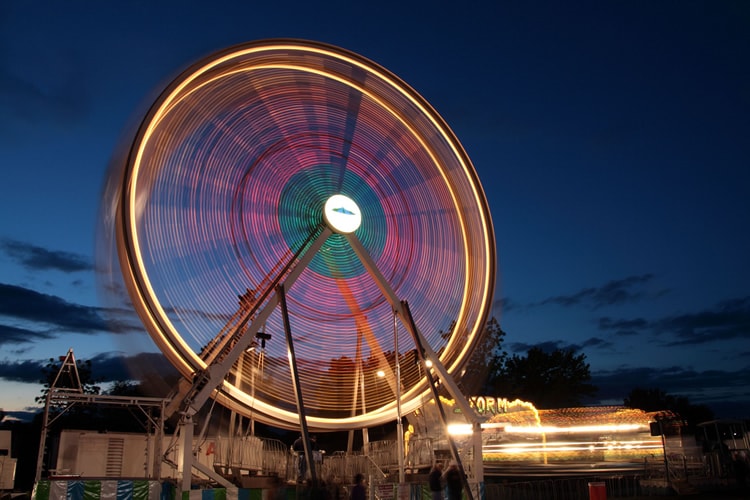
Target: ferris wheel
(293,221)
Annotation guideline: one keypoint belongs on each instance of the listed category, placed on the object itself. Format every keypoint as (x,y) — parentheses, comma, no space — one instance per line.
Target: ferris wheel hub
(342,214)
(235,180)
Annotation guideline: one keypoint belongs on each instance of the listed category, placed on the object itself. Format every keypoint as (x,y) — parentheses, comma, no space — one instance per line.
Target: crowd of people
(450,480)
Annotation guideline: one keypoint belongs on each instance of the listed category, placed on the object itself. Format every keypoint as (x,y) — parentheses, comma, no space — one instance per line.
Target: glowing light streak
(545,429)
(232,137)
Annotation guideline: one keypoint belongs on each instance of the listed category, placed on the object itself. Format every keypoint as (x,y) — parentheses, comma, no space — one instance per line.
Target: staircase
(115,452)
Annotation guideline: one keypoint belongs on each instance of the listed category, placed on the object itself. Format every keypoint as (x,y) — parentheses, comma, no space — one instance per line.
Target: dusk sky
(612,140)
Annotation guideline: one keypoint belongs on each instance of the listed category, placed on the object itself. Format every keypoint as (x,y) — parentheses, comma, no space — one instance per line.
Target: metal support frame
(441,411)
(297,388)
(193,396)
(66,398)
(399,423)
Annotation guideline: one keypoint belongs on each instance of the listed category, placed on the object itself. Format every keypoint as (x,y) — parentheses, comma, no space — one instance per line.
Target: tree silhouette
(654,399)
(67,381)
(486,362)
(557,379)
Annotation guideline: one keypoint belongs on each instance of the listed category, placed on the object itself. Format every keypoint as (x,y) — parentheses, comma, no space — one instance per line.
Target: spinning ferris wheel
(294,221)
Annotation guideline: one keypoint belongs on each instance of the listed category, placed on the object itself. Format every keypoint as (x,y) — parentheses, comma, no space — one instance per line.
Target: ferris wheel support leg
(412,327)
(478,466)
(425,351)
(297,388)
(205,382)
(397,306)
(187,427)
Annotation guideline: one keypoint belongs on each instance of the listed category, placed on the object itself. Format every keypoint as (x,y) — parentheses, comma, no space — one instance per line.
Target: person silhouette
(454,482)
(435,480)
(358,491)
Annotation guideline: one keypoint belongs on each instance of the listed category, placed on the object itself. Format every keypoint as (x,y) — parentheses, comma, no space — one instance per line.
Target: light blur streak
(229,173)
(601,428)
(459,429)
(567,446)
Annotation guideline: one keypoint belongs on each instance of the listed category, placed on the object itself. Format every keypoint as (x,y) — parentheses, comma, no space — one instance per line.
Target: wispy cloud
(614,292)
(598,343)
(109,367)
(503,304)
(55,315)
(29,371)
(15,335)
(28,99)
(30,305)
(700,387)
(41,259)
(623,326)
(727,320)
(105,368)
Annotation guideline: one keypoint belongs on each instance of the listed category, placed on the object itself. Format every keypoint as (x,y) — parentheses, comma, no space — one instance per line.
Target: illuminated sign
(489,405)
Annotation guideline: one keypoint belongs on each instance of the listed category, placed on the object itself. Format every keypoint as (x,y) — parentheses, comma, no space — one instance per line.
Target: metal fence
(268,457)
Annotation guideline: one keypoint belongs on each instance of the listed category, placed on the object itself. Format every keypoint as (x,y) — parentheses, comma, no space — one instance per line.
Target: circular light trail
(240,162)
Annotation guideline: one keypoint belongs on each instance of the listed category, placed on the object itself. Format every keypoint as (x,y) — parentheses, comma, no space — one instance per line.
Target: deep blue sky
(612,140)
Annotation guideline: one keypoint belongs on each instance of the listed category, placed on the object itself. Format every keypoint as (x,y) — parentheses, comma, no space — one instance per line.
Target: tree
(557,379)
(52,369)
(486,361)
(654,399)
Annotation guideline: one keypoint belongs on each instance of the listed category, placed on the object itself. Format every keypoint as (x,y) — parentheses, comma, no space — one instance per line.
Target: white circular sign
(341,214)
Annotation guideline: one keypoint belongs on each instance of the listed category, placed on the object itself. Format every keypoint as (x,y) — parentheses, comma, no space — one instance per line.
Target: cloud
(502,305)
(157,376)
(29,305)
(25,416)
(38,258)
(29,371)
(614,292)
(14,335)
(105,368)
(109,367)
(23,303)
(724,391)
(597,342)
(623,326)
(727,320)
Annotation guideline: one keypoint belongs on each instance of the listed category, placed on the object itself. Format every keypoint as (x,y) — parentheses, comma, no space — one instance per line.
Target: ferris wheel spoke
(402,309)
(226,177)
(350,124)
(363,326)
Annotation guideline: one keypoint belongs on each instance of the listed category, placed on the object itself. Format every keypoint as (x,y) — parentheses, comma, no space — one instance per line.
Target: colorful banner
(81,489)
(120,489)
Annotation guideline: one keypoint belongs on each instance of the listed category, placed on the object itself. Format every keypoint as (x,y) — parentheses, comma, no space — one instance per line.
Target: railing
(384,454)
(268,457)
(681,467)
(341,467)
(419,453)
